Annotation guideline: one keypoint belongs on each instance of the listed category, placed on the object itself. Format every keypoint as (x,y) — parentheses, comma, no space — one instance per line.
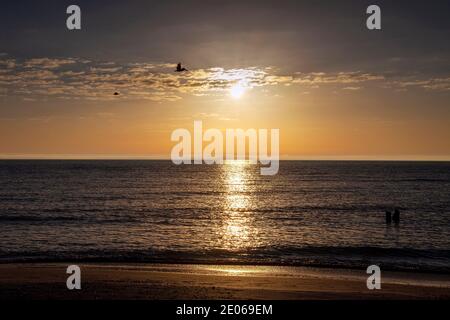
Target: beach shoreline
(112,281)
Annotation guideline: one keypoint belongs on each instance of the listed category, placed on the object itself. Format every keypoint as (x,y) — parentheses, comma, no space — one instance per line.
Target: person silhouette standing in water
(388,217)
(396,216)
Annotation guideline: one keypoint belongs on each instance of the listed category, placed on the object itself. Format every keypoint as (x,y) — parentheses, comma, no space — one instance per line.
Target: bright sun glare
(237,91)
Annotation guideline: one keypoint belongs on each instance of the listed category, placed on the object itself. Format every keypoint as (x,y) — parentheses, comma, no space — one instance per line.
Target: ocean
(312,213)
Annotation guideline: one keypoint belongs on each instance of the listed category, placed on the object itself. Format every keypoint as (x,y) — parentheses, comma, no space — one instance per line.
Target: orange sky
(324,123)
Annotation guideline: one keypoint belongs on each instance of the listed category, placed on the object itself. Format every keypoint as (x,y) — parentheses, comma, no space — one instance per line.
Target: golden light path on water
(238,221)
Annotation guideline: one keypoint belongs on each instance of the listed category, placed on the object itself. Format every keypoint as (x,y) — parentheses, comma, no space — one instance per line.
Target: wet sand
(158,281)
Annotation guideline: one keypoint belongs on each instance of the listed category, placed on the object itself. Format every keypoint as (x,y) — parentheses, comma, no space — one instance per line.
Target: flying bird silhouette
(180,69)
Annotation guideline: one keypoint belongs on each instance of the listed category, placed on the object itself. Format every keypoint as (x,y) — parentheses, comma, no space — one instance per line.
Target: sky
(311,69)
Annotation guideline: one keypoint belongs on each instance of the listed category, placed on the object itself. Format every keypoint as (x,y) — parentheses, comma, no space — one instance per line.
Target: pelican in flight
(180,69)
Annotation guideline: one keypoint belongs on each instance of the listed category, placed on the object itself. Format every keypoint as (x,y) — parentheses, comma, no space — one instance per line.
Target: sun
(237,91)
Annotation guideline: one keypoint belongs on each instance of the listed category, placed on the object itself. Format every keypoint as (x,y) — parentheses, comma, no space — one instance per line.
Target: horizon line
(12,156)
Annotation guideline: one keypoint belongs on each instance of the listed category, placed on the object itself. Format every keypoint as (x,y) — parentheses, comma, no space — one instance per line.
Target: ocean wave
(56,219)
(23,218)
(432,260)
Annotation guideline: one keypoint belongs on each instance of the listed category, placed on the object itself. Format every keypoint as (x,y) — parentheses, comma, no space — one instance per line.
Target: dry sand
(158,281)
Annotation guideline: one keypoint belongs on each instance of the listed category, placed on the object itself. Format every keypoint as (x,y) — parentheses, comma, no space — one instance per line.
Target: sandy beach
(155,281)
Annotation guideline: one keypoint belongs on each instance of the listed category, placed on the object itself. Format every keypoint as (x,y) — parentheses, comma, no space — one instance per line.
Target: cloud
(7,63)
(46,63)
(81,79)
(352,88)
(319,78)
(98,81)
(439,84)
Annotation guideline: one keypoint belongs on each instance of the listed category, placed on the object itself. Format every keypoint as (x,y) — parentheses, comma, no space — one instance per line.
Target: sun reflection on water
(238,229)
